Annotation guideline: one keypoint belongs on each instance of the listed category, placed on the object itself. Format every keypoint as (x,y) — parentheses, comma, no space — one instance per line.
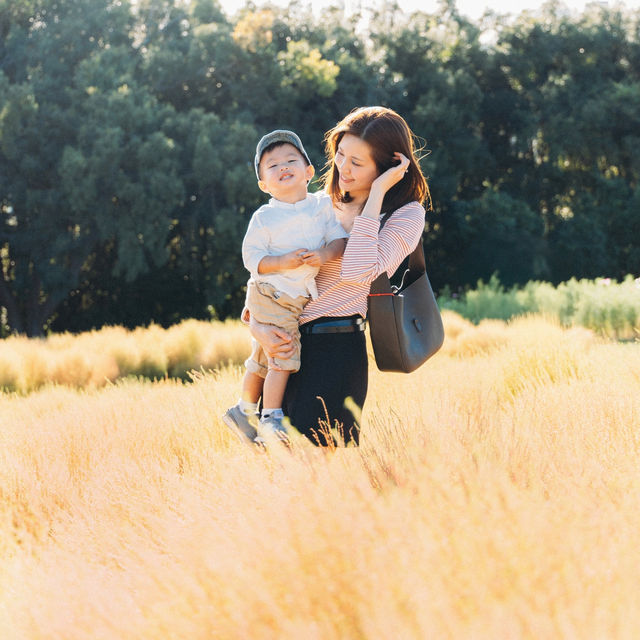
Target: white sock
(248,408)
(276,413)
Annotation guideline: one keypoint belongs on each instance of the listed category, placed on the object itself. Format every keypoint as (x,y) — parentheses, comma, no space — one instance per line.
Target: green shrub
(603,305)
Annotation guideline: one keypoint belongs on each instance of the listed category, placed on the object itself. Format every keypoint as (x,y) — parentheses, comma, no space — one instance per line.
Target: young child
(286,242)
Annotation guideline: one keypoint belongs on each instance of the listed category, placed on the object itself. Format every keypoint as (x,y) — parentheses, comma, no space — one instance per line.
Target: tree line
(127,134)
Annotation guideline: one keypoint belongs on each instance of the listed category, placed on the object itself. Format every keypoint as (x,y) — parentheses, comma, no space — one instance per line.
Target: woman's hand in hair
(382,184)
(393,175)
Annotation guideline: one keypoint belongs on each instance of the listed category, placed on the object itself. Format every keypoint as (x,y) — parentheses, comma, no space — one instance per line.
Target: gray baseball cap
(279,135)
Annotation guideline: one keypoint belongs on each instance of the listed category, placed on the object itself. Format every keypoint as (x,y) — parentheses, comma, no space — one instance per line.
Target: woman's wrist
(373,205)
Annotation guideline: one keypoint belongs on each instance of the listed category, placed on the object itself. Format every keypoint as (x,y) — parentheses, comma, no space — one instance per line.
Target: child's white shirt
(279,227)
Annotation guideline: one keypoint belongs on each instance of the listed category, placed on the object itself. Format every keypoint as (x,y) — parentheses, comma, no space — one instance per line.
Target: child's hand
(318,257)
(291,260)
(315,258)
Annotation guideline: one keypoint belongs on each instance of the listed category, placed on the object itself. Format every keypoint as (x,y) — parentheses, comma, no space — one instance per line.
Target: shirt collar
(288,205)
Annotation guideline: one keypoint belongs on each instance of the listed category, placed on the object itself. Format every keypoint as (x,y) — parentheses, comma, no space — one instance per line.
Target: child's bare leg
(272,396)
(252,385)
(273,392)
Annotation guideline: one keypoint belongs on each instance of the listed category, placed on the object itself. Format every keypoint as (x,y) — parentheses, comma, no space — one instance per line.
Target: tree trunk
(7,300)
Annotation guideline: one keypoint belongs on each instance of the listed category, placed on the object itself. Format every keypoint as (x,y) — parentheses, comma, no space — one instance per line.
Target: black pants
(333,377)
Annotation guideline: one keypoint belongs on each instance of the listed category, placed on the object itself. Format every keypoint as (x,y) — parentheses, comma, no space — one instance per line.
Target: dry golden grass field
(495,496)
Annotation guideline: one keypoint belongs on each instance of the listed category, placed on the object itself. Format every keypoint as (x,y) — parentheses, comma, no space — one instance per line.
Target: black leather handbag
(405,324)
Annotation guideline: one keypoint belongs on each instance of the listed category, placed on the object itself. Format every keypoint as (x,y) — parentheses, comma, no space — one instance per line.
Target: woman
(372,169)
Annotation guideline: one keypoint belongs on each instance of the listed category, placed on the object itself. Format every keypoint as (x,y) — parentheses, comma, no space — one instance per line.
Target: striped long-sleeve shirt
(343,284)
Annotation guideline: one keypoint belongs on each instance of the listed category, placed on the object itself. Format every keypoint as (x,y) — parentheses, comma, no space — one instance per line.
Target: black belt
(334,325)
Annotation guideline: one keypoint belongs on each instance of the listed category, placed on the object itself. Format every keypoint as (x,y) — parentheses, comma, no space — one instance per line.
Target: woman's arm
(371,252)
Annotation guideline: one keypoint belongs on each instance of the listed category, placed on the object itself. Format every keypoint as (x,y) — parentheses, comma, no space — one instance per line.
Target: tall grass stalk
(494,496)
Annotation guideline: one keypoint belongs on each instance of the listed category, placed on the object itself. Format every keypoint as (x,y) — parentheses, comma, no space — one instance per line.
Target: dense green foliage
(127,131)
(606,306)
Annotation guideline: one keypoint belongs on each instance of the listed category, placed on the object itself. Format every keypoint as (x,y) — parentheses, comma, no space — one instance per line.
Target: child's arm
(332,251)
(273,264)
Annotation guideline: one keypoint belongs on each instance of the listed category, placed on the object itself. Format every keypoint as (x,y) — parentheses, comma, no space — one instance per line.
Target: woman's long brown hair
(385,132)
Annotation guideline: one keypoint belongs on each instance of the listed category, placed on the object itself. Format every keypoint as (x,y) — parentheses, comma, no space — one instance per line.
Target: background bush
(606,306)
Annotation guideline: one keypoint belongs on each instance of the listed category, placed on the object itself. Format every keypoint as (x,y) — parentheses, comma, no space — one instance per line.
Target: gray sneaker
(241,424)
(271,426)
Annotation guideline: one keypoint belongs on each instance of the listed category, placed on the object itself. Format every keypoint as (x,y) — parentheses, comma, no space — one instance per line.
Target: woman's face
(356,166)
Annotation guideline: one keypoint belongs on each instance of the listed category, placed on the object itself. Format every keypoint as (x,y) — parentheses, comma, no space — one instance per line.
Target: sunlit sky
(471,8)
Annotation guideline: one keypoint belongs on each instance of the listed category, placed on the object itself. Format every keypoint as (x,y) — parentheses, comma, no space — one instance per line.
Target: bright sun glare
(471,8)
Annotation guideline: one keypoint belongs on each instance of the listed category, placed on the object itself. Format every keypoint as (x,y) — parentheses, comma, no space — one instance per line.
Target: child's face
(284,173)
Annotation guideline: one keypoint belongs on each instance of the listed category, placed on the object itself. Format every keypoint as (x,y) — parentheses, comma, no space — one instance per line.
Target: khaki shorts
(270,306)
